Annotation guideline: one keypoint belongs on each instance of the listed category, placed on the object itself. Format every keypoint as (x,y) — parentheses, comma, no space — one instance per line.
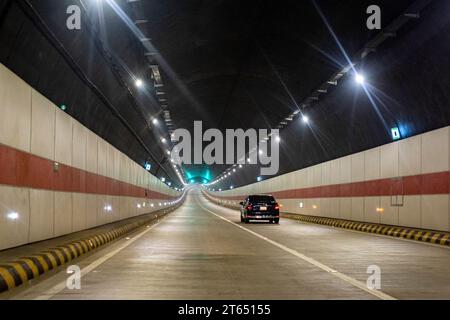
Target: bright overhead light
(360,79)
(139,83)
(277,139)
(163,140)
(155,121)
(240,166)
(168,152)
(305,119)
(261,152)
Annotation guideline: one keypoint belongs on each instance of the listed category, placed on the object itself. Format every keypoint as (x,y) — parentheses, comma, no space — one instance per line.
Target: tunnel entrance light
(359,79)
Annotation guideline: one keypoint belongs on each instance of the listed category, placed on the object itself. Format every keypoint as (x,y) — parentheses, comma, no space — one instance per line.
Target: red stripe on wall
(424,184)
(21,169)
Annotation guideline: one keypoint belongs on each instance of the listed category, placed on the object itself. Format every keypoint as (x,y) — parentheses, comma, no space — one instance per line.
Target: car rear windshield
(265,199)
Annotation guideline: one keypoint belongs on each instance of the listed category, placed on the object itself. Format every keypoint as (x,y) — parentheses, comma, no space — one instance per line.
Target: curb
(420,235)
(16,273)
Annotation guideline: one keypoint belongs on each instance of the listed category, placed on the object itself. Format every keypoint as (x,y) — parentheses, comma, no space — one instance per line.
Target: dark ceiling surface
(235,64)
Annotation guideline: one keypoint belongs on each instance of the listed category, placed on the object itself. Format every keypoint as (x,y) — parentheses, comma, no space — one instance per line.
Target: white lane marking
(348,279)
(62,285)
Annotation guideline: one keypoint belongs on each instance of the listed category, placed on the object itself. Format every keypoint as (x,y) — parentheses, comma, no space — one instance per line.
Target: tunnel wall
(405,183)
(91,175)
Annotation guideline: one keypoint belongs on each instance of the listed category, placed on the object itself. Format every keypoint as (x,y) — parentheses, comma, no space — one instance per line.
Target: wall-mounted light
(148,166)
(108,208)
(12,216)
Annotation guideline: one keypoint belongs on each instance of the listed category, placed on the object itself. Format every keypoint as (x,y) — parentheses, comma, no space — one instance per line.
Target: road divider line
(47,295)
(356,283)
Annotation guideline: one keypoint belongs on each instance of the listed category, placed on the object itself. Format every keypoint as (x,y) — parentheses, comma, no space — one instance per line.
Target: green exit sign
(395,133)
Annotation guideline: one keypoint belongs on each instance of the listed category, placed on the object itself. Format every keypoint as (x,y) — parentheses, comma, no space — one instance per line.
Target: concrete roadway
(202,251)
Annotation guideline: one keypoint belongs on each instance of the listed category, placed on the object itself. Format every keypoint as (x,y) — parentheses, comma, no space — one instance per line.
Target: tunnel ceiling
(234,64)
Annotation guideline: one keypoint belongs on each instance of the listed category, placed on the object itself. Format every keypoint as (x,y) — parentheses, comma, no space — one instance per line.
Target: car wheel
(277,221)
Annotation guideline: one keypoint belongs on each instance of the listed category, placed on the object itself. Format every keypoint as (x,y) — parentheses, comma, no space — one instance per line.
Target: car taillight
(249,208)
(277,207)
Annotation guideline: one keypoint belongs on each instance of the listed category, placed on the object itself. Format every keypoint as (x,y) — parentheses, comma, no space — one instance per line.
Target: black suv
(260,207)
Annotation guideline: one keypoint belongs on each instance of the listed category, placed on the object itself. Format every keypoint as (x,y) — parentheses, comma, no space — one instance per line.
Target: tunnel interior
(224,149)
(234,65)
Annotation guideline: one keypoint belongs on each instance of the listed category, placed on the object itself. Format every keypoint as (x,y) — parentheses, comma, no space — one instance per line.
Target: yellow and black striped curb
(429,236)
(18,272)
(435,237)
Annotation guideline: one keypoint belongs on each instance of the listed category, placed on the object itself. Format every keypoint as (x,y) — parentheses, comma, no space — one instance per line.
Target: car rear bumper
(262,217)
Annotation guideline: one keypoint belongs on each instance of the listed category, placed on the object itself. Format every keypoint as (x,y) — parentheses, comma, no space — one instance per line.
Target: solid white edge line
(47,295)
(356,283)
